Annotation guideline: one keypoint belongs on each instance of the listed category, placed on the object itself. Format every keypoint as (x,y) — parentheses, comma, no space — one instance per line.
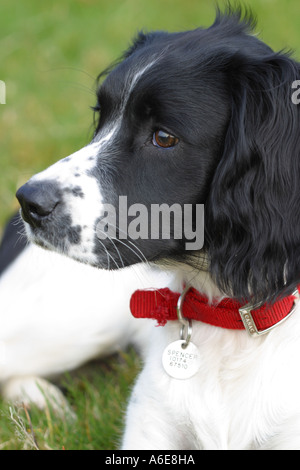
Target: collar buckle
(249,323)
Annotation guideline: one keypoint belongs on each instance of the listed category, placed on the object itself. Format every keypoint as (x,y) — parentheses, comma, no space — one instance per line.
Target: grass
(50,55)
(97,394)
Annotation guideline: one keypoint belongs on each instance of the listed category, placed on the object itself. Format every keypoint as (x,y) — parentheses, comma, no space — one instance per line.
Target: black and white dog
(56,314)
(198,117)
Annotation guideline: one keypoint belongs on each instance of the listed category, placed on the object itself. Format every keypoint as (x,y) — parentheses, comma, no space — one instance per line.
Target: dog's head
(198,117)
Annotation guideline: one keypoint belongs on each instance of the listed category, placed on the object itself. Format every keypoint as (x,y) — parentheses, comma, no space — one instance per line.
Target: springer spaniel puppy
(186,119)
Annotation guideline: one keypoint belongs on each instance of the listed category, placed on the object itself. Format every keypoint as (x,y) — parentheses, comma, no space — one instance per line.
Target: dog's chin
(79,254)
(37,239)
(102,256)
(32,237)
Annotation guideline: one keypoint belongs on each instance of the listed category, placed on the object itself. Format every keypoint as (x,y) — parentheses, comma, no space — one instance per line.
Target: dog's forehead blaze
(119,84)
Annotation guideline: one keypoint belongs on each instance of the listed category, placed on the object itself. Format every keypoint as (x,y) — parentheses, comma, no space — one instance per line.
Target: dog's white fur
(56,314)
(245,395)
(45,335)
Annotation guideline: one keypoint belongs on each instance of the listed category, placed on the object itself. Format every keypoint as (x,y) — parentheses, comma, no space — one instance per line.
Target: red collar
(161,305)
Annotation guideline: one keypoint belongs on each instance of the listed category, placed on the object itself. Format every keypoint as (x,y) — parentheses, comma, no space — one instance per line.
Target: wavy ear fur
(253,211)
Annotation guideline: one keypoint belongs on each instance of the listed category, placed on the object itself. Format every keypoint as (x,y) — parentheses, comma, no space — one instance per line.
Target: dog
(57,314)
(190,118)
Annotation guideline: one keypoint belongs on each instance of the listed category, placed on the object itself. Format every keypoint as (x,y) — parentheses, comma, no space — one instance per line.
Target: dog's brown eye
(164,140)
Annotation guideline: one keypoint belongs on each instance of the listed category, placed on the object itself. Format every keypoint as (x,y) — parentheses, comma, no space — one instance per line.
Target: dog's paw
(37,391)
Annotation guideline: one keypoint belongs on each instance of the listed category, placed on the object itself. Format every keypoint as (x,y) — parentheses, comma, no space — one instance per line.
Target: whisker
(22,236)
(108,254)
(21,232)
(142,258)
(78,86)
(16,222)
(119,254)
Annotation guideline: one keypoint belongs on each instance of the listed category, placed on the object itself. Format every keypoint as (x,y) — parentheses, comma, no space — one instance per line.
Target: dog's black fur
(12,243)
(227,97)
(229,101)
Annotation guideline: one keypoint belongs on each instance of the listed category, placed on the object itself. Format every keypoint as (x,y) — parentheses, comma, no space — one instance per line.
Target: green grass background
(50,55)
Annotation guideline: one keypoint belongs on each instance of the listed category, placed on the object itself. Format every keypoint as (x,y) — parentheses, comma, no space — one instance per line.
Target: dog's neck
(186,275)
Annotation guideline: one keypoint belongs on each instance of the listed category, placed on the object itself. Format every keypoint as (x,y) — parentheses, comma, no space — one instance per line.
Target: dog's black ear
(253,211)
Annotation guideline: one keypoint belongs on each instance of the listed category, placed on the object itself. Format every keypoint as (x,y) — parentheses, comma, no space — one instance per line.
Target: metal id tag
(181,362)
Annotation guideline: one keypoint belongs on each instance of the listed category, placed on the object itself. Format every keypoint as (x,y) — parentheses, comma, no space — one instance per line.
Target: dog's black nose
(38,200)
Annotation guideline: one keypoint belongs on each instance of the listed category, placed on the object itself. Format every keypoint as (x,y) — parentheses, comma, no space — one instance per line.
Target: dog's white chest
(245,394)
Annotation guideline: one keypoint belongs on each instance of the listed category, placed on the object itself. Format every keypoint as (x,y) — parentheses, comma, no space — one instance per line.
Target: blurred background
(51,53)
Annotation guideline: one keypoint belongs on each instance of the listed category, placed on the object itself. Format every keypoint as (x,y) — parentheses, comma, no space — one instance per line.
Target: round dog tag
(180,362)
